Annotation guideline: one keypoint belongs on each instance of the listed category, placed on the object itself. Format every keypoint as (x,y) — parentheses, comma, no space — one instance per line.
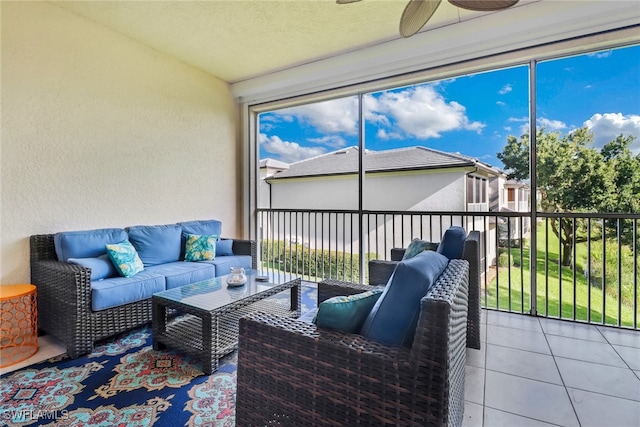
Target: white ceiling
(240,39)
(272,44)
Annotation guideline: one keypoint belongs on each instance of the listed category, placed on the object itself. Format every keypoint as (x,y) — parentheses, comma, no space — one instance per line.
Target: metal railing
(586,264)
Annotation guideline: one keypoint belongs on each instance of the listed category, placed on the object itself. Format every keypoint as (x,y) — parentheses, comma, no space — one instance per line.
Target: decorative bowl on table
(237,277)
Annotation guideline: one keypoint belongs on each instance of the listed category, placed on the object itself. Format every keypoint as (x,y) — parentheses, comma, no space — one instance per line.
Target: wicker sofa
(293,373)
(380,271)
(68,293)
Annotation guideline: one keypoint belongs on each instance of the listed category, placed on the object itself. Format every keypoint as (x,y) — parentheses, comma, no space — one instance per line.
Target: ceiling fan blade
(483,5)
(346,1)
(416,13)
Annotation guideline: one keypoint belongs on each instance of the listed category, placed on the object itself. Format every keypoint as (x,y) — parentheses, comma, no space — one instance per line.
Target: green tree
(574,176)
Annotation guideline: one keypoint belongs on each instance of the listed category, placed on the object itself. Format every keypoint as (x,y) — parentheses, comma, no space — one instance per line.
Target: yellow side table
(18,323)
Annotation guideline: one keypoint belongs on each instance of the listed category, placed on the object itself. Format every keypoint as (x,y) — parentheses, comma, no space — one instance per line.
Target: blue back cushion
(452,243)
(86,243)
(101,267)
(156,244)
(394,317)
(224,247)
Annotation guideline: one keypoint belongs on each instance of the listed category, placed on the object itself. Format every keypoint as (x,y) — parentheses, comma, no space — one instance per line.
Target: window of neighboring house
(476,189)
(511,194)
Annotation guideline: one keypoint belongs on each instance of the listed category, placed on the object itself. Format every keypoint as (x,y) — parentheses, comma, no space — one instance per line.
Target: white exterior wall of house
(393,191)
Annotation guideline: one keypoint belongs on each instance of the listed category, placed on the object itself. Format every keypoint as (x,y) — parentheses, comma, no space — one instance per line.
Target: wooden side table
(18,323)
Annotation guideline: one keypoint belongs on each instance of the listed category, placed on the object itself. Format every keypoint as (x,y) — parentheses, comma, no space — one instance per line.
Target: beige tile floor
(534,372)
(543,372)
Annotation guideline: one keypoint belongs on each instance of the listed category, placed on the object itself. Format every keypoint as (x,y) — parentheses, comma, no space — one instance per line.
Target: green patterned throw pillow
(200,247)
(416,246)
(125,258)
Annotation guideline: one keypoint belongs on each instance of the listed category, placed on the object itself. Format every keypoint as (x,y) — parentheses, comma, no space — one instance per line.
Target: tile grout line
(566,389)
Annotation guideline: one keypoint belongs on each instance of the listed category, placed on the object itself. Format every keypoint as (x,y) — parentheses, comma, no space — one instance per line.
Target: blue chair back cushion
(156,244)
(86,243)
(452,243)
(394,317)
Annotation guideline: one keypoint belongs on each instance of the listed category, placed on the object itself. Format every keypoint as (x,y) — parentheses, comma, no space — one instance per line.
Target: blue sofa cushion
(346,313)
(224,247)
(156,244)
(125,258)
(224,263)
(394,317)
(200,247)
(416,246)
(117,291)
(101,267)
(182,273)
(86,243)
(452,243)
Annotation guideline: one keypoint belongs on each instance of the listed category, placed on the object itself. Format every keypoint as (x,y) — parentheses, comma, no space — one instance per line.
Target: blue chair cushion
(86,243)
(156,244)
(116,291)
(346,313)
(416,246)
(224,263)
(394,317)
(101,267)
(452,243)
(224,247)
(125,258)
(182,273)
(200,247)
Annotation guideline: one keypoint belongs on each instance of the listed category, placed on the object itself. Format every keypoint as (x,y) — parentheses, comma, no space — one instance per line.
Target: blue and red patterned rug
(124,383)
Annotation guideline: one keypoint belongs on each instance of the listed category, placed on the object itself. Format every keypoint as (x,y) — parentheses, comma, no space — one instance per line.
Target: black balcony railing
(585,270)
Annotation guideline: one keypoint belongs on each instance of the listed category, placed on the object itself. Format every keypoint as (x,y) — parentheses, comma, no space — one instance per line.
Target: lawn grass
(556,284)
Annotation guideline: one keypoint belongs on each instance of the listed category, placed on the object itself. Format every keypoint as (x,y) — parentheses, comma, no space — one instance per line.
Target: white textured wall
(100,131)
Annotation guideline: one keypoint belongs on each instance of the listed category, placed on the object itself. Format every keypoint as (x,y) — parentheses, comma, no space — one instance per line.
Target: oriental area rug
(125,383)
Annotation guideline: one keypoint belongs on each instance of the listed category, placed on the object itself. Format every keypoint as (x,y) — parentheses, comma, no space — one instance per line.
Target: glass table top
(213,293)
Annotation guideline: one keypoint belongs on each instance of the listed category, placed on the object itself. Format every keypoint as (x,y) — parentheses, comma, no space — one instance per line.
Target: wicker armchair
(64,299)
(291,373)
(380,271)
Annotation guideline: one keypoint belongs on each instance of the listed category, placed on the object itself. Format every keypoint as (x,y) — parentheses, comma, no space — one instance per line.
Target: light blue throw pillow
(101,266)
(224,247)
(200,247)
(125,258)
(346,313)
(416,246)
(394,317)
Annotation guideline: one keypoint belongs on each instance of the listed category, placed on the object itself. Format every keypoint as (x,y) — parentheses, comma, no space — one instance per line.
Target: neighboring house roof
(345,161)
(273,164)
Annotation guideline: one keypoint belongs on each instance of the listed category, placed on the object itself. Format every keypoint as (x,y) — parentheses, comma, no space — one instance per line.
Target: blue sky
(473,114)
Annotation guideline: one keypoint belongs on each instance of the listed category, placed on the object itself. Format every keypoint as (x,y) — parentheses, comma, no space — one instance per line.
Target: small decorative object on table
(237,277)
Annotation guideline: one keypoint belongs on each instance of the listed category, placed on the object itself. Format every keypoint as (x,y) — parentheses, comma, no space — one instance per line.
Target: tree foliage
(574,176)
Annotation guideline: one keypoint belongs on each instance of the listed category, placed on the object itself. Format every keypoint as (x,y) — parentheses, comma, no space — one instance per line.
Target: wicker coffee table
(201,319)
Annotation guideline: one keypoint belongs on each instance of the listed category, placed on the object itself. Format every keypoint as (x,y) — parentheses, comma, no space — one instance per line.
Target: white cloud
(501,103)
(333,116)
(420,112)
(606,127)
(333,141)
(551,125)
(505,89)
(599,55)
(288,151)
